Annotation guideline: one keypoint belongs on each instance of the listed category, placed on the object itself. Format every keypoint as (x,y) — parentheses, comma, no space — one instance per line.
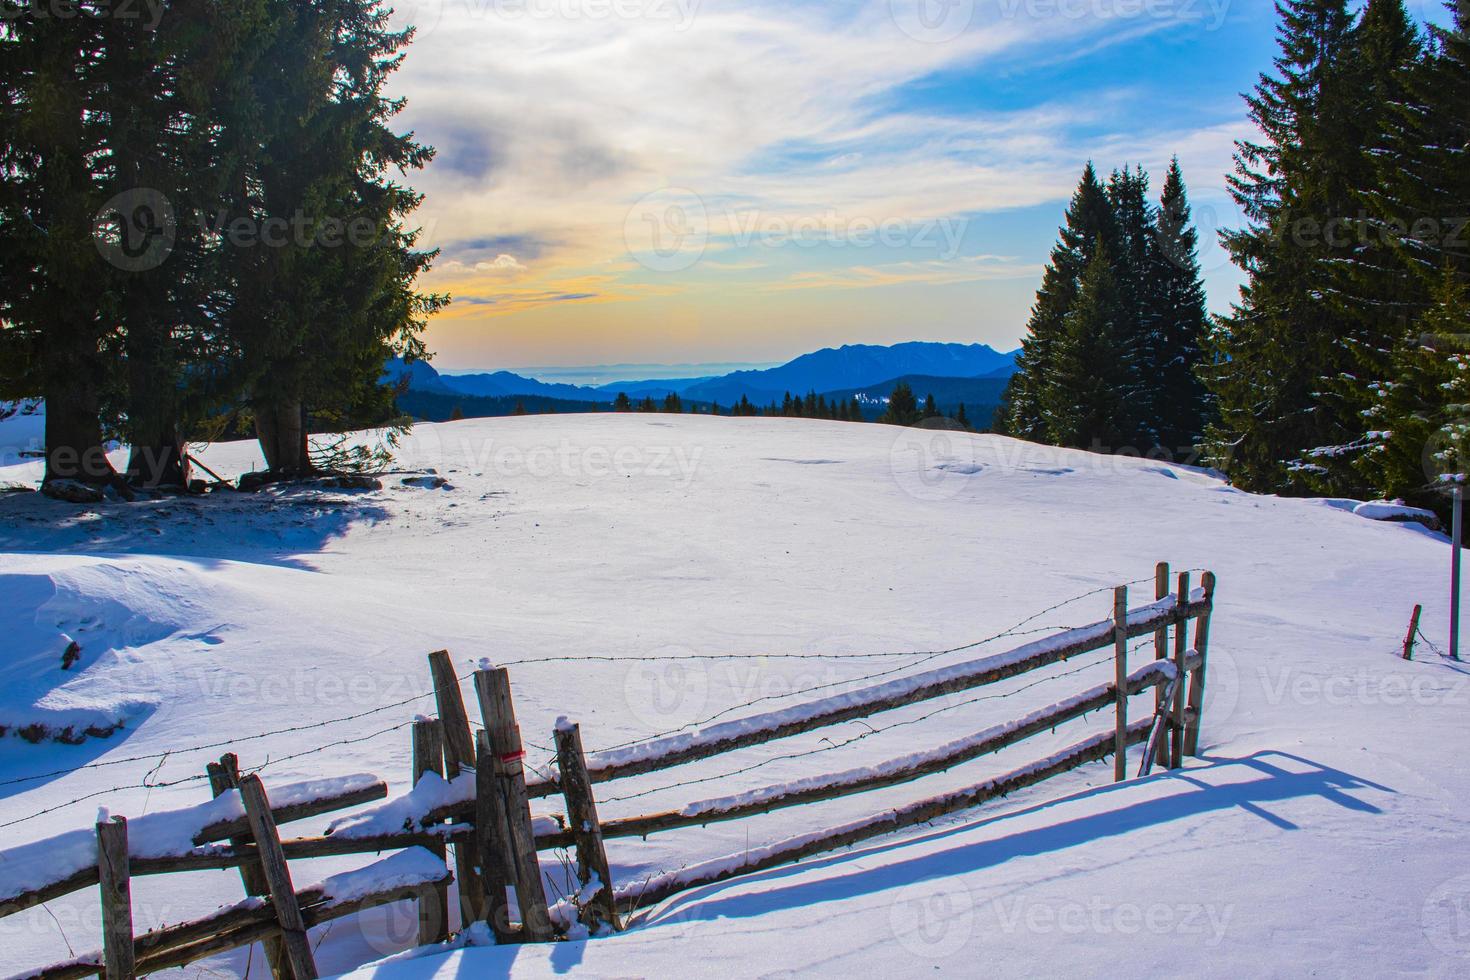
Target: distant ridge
(831,369)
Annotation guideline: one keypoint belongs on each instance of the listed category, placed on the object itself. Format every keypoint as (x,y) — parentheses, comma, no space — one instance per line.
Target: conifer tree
(1181,405)
(1268,358)
(961,418)
(931,410)
(622,403)
(1088,380)
(1089,223)
(903,408)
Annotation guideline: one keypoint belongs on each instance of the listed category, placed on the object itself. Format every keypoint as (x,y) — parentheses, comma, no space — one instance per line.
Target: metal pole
(1457,537)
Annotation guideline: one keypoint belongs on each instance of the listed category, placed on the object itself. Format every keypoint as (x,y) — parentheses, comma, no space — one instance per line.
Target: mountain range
(845,369)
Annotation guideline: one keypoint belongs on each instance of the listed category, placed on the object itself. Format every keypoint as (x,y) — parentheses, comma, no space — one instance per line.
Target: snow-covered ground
(1324,831)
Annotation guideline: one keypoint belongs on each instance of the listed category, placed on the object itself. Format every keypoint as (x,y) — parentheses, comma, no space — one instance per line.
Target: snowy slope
(1323,832)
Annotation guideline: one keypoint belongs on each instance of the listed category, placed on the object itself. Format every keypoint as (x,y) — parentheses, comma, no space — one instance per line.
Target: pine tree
(903,408)
(961,418)
(1137,328)
(1086,393)
(1181,406)
(1420,434)
(622,403)
(1268,358)
(1089,223)
(931,410)
(855,410)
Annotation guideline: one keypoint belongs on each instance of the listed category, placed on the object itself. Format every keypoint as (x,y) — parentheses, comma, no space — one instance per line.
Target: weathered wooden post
(1197,681)
(493,690)
(278,877)
(1413,632)
(1181,639)
(492,834)
(459,755)
(1161,652)
(576,787)
(1120,657)
(115,874)
(428,757)
(224,776)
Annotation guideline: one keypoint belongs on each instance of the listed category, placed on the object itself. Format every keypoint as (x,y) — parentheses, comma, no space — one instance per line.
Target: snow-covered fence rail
(471,793)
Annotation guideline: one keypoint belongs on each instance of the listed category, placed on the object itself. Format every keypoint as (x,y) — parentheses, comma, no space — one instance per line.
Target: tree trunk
(74,448)
(160,461)
(280,424)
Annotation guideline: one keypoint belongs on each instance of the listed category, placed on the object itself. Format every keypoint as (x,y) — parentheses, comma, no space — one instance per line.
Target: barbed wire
(871,731)
(927,657)
(148,782)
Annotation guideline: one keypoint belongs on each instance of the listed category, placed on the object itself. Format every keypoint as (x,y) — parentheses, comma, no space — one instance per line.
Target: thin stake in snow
(1413,632)
(492,838)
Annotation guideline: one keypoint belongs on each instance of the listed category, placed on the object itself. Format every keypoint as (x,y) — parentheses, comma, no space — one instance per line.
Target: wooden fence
(471,794)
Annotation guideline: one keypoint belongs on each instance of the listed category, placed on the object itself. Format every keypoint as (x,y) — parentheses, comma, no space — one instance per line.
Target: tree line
(201,225)
(1343,368)
(1110,357)
(902,407)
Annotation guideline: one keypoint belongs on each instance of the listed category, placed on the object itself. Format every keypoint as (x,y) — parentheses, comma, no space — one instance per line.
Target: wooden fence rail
(470,794)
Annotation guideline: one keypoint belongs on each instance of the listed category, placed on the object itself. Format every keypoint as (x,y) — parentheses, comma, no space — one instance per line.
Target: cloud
(555,117)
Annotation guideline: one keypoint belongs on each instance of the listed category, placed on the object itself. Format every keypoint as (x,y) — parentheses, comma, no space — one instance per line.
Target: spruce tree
(931,409)
(903,408)
(1089,223)
(1085,397)
(1181,406)
(1137,329)
(1268,358)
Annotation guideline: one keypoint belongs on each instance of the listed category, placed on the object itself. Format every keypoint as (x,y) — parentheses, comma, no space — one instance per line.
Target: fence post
(278,875)
(492,832)
(428,756)
(1181,634)
(576,786)
(1197,680)
(459,754)
(493,689)
(117,899)
(1413,633)
(224,776)
(1120,651)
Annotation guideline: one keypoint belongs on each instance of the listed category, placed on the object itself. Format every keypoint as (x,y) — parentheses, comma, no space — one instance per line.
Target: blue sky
(701,180)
